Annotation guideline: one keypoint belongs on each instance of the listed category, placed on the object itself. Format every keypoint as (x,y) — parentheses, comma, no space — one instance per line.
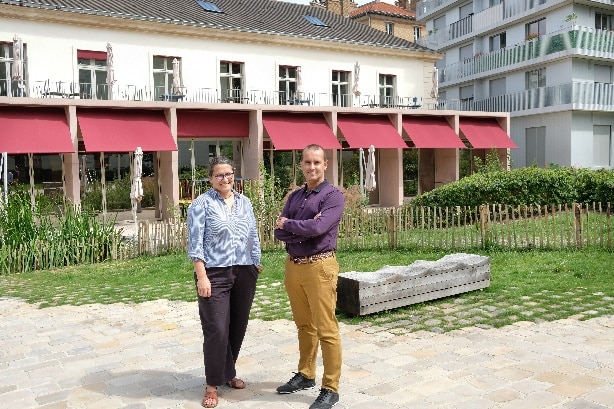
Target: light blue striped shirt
(219,237)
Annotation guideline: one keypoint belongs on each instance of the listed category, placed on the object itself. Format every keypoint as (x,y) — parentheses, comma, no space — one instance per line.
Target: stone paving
(150,356)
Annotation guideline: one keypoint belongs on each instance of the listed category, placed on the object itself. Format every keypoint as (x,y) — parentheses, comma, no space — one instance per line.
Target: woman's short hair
(219,160)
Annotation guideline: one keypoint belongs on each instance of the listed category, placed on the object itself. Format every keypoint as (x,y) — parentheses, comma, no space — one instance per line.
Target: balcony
(482,20)
(584,41)
(589,96)
(67,90)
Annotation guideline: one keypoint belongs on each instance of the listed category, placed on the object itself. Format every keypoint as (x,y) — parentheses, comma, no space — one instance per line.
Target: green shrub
(524,186)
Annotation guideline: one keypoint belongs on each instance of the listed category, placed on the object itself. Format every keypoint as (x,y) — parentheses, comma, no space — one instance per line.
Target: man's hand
(279,224)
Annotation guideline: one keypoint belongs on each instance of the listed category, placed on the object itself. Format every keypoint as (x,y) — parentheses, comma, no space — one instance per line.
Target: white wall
(52,55)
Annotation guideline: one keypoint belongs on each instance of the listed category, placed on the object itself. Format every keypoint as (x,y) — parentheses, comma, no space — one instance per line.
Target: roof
(381,8)
(256,16)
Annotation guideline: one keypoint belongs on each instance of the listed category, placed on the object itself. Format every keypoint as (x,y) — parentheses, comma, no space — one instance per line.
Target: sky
(359,2)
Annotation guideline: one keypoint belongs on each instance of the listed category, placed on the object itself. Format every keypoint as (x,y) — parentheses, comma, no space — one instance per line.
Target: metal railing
(579,40)
(493,16)
(119,92)
(574,95)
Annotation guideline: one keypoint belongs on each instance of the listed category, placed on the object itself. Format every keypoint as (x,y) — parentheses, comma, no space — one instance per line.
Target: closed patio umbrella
(355,89)
(370,183)
(136,190)
(299,83)
(17,68)
(176,77)
(435,89)
(110,69)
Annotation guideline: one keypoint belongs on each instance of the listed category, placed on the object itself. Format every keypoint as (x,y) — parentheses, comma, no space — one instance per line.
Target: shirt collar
(318,188)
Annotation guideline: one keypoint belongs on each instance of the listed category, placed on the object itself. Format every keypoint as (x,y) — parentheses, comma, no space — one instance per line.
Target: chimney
(404,4)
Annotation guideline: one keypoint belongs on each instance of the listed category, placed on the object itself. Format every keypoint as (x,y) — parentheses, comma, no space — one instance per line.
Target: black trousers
(224,317)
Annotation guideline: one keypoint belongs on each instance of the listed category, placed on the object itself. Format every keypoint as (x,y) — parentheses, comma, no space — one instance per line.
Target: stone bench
(361,293)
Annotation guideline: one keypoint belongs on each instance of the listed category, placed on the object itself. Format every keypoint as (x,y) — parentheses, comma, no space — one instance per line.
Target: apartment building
(85,82)
(546,62)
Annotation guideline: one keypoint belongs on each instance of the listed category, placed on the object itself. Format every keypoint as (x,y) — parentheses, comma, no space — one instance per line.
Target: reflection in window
(8,86)
(603,21)
(288,76)
(389,28)
(535,29)
(93,77)
(386,89)
(536,78)
(341,88)
(163,76)
(496,42)
(231,81)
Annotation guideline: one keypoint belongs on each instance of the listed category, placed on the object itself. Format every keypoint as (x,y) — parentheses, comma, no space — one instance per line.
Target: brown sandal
(236,383)
(210,399)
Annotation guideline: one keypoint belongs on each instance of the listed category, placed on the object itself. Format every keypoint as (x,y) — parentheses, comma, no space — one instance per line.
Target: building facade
(547,62)
(84,84)
(397,19)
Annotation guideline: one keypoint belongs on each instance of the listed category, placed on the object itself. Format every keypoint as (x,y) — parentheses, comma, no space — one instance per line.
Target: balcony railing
(494,16)
(576,95)
(582,40)
(118,92)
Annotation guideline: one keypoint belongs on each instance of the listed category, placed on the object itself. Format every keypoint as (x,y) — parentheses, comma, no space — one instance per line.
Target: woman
(224,246)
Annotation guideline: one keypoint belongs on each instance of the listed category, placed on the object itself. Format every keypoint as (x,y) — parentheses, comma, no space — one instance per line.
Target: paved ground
(149,356)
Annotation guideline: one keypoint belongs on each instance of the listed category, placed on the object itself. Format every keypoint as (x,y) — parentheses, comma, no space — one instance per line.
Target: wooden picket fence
(458,228)
(574,226)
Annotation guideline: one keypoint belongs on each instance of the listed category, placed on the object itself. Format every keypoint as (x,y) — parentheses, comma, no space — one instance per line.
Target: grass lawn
(525,286)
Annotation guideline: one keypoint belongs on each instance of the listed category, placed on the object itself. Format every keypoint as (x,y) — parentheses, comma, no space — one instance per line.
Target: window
(602,74)
(417,32)
(439,23)
(535,146)
(535,78)
(535,29)
(386,89)
(162,76)
(209,6)
(92,74)
(465,11)
(496,42)
(341,88)
(315,21)
(496,87)
(8,86)
(466,93)
(288,84)
(231,81)
(602,145)
(603,21)
(389,28)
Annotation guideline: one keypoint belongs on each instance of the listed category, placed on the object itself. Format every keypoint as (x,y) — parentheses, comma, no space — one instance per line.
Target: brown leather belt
(312,258)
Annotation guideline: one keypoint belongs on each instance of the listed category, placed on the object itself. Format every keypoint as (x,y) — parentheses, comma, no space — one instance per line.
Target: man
(309,224)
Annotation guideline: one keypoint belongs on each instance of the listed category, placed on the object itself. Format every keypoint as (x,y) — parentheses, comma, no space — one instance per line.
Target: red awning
(485,133)
(366,130)
(114,130)
(34,130)
(212,124)
(295,131)
(431,132)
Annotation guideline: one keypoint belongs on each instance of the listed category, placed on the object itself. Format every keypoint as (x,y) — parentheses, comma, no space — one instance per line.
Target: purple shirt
(303,232)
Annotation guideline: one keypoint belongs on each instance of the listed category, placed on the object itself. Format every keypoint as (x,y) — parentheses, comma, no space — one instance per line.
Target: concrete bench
(361,293)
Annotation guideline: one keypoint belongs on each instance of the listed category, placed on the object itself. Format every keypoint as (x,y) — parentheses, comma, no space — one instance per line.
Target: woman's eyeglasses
(221,176)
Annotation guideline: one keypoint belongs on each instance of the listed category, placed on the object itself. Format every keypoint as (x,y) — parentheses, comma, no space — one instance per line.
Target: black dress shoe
(297,383)
(326,400)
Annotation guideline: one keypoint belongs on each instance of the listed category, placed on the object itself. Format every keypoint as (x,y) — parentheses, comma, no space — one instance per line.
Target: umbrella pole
(4,166)
(31,173)
(103,185)
(361,166)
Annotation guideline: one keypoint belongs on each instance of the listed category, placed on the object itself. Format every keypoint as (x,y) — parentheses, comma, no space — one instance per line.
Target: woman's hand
(203,286)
